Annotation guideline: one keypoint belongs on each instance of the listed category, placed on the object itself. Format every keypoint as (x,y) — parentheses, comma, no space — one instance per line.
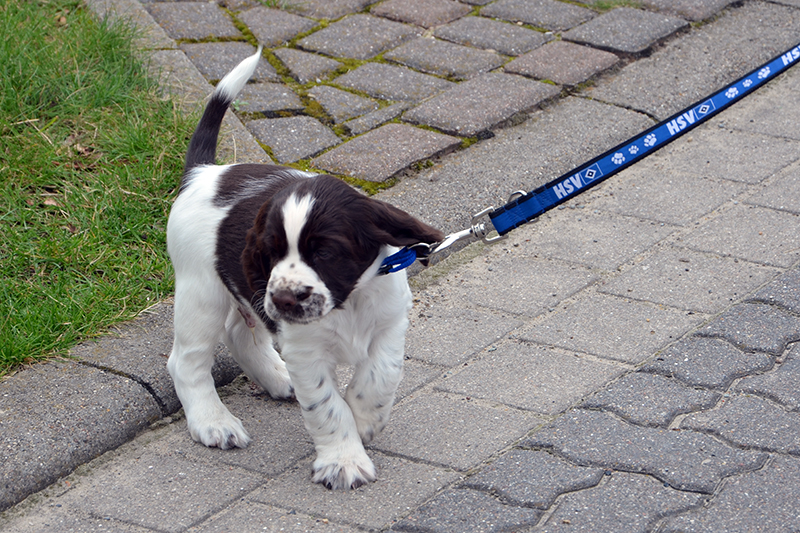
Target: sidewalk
(630,362)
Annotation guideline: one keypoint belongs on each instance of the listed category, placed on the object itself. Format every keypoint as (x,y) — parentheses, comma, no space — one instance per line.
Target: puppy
(267,255)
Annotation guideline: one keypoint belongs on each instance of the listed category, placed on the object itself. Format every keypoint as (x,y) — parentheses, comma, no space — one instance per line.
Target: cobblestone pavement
(630,362)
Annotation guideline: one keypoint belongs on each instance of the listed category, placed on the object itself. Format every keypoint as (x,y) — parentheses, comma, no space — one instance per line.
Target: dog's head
(313,241)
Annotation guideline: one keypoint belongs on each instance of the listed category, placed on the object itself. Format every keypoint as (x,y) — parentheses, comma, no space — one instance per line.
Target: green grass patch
(90,158)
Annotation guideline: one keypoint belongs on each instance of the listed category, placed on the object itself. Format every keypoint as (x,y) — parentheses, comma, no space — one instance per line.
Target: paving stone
(432,428)
(650,399)
(380,154)
(56,518)
(237,144)
(765,500)
(401,485)
(489,34)
(547,14)
(253,516)
(693,10)
(782,192)
(781,385)
(531,377)
(341,105)
(774,112)
(274,27)
(684,459)
(215,60)
(267,98)
(444,59)
(458,510)
(706,362)
(755,327)
(192,20)
(437,334)
(622,503)
(611,327)
(179,78)
(372,120)
(476,2)
(390,82)
(481,103)
(306,67)
(425,13)
(687,69)
(533,478)
(293,138)
(358,37)
(625,30)
(652,190)
(752,233)
(328,9)
(783,291)
(750,422)
(689,280)
(562,62)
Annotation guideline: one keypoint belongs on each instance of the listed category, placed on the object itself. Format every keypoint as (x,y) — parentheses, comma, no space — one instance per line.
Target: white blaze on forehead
(295,216)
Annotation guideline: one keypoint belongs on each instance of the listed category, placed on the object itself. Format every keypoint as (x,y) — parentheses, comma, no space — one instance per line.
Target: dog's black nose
(284,300)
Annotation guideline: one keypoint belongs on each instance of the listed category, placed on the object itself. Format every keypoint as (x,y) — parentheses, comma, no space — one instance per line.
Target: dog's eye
(322,254)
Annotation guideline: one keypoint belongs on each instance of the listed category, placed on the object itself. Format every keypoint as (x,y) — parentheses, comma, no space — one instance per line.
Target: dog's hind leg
(199,325)
(250,344)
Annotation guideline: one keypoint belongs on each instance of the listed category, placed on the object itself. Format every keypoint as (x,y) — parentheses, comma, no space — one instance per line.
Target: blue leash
(525,207)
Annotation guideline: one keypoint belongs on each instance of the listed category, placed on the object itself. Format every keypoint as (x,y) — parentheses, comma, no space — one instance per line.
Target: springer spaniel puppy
(267,255)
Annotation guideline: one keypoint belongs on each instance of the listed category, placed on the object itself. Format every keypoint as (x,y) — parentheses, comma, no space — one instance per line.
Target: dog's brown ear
(256,263)
(395,227)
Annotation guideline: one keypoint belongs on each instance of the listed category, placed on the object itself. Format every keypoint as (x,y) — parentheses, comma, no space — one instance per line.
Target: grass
(90,158)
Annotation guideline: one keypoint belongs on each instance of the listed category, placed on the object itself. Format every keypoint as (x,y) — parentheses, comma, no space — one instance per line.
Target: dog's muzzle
(299,305)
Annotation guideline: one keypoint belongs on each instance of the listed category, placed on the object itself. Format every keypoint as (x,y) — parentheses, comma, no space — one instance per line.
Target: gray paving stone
(391,82)
(372,120)
(401,485)
(694,10)
(706,362)
(611,327)
(752,233)
(781,192)
(533,478)
(443,58)
(562,62)
(490,34)
(759,501)
(293,138)
(774,112)
(536,378)
(237,144)
(358,37)
(306,67)
(46,432)
(274,27)
(328,9)
(179,78)
(214,60)
(425,13)
(687,69)
(433,428)
(626,30)
(689,280)
(458,510)
(475,105)
(192,20)
(750,422)
(547,14)
(684,459)
(755,327)
(623,503)
(781,385)
(341,105)
(267,98)
(650,399)
(55,518)
(380,154)
(254,516)
(652,190)
(783,291)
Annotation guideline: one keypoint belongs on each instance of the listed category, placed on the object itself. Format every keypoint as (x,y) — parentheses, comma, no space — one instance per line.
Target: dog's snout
(285,299)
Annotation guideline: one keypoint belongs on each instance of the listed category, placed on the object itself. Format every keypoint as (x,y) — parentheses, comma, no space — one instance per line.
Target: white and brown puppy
(262,251)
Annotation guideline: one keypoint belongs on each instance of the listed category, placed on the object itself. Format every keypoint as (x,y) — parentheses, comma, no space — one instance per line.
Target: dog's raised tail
(203,146)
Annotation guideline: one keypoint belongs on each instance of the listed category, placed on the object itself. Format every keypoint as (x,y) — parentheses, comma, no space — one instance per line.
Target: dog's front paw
(222,432)
(344,473)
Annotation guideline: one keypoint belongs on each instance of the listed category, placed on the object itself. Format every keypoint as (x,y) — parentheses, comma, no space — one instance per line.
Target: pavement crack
(161,405)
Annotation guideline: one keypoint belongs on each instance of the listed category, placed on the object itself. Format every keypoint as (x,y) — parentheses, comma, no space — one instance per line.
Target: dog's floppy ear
(397,228)
(256,263)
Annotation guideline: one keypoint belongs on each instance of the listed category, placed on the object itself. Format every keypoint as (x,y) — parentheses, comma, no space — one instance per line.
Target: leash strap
(533,204)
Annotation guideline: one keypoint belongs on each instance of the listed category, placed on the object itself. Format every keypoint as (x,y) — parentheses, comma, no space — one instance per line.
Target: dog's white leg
(341,461)
(370,393)
(200,314)
(250,344)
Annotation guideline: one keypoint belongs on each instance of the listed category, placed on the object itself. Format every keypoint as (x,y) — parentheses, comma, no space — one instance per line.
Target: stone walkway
(628,363)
